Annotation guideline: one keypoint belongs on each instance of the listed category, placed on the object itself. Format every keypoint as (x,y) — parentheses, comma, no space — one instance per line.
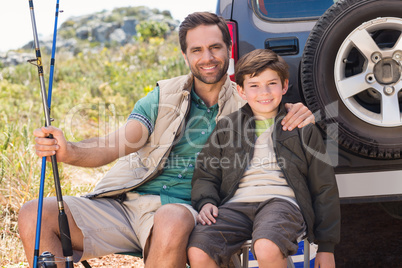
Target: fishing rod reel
(48,260)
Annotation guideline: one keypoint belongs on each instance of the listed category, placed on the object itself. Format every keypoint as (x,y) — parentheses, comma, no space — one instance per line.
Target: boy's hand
(207,214)
(298,116)
(324,260)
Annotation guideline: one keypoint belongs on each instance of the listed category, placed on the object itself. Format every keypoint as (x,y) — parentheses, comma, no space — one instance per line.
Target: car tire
(352,76)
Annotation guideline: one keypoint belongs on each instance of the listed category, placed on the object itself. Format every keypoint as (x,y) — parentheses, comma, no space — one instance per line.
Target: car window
(291,9)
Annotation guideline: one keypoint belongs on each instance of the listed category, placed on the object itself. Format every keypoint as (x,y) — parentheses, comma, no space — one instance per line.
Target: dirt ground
(370,237)
(114,261)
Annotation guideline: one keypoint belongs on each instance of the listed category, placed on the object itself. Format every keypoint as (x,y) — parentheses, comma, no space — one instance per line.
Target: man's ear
(285,87)
(185,59)
(241,92)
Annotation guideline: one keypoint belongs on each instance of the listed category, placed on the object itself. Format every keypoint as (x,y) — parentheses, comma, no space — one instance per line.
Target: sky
(16,26)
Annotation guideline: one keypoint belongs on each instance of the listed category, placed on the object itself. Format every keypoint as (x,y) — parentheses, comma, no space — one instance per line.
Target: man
(147,204)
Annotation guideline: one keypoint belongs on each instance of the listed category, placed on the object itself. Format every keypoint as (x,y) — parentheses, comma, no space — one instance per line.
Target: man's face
(207,55)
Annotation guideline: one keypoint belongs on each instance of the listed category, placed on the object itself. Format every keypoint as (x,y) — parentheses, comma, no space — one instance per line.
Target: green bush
(67,32)
(149,29)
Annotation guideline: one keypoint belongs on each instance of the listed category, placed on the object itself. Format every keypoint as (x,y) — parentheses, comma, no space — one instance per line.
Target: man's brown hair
(257,61)
(202,18)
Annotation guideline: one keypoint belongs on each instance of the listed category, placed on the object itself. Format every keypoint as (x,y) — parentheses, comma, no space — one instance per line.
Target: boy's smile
(263,93)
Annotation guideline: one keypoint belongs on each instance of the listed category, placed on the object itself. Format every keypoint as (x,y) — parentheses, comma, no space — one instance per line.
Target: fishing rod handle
(65,237)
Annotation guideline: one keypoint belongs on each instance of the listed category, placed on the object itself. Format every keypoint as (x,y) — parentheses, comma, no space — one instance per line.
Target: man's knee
(172,226)
(28,213)
(26,218)
(173,216)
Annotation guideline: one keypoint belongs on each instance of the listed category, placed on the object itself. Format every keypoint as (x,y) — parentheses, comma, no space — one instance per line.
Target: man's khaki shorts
(110,227)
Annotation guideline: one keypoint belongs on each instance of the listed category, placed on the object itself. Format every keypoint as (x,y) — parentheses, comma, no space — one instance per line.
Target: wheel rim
(368,72)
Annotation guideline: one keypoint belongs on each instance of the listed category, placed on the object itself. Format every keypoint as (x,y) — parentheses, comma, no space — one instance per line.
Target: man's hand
(207,214)
(298,116)
(47,147)
(324,260)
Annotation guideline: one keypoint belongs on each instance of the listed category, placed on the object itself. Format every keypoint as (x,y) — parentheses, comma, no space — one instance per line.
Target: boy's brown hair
(257,61)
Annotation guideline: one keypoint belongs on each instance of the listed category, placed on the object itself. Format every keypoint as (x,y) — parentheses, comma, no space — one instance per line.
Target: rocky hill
(106,28)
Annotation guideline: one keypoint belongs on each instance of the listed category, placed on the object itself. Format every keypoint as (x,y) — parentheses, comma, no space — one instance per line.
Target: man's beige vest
(137,168)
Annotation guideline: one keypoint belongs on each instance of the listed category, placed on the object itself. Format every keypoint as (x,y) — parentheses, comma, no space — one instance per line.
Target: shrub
(149,29)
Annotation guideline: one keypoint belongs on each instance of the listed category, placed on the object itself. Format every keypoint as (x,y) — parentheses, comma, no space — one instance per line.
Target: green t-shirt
(174,184)
(262,125)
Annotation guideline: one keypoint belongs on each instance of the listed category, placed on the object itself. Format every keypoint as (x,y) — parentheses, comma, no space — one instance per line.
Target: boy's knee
(267,250)
(196,255)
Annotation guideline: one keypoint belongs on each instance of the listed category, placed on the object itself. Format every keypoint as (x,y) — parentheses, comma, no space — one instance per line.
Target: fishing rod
(47,258)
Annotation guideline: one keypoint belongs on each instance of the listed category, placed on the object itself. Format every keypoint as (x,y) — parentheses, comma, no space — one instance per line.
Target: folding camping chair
(241,258)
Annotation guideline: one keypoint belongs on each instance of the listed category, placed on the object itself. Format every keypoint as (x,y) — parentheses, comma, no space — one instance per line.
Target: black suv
(345,62)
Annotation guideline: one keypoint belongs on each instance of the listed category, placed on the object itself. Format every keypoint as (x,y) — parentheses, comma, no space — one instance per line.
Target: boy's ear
(241,92)
(285,87)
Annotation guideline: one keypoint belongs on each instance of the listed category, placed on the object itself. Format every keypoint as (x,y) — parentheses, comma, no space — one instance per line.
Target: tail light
(233,59)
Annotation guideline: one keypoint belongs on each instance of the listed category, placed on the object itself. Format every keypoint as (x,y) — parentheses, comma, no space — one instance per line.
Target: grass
(93,94)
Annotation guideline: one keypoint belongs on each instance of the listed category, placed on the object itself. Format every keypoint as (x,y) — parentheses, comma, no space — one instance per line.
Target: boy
(256,181)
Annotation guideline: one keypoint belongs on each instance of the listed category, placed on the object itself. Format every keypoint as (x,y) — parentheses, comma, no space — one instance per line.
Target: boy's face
(263,93)
(207,55)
